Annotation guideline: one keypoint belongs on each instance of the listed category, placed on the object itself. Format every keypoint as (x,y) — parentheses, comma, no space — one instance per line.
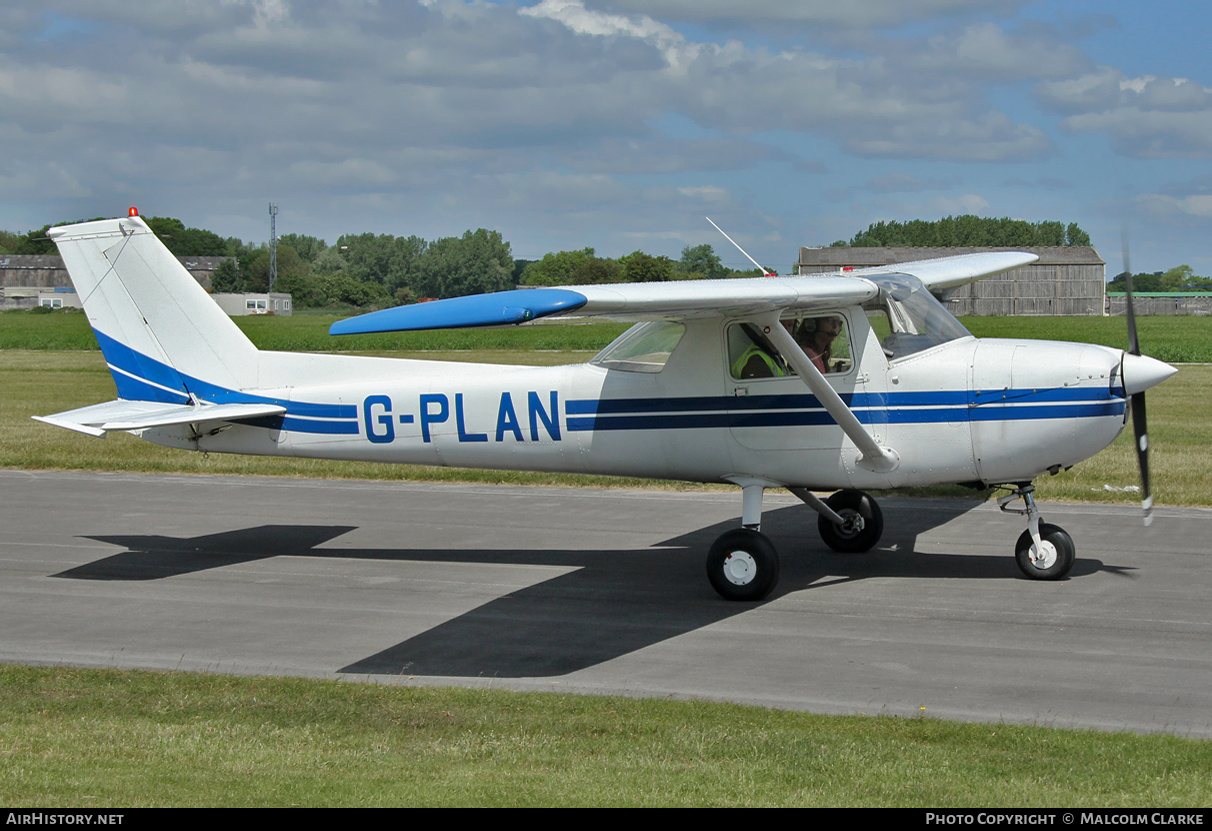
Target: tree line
(1179,278)
(968,230)
(380,270)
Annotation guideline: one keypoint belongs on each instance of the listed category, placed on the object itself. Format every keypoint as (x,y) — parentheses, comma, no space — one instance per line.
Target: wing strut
(874,458)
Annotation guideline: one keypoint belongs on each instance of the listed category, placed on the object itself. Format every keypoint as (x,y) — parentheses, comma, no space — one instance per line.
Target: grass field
(1171,339)
(50,364)
(104,738)
(309,333)
(99,738)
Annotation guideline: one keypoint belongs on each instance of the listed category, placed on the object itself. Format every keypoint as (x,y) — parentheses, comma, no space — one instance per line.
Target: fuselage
(966,410)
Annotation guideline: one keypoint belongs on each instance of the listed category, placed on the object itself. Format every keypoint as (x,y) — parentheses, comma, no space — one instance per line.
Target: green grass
(40,382)
(105,738)
(1177,339)
(1171,339)
(69,330)
(97,738)
(60,368)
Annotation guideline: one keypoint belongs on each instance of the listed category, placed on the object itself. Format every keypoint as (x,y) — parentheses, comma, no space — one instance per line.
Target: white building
(252,303)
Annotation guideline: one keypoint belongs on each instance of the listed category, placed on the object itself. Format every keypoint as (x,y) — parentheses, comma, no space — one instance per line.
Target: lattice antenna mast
(273,245)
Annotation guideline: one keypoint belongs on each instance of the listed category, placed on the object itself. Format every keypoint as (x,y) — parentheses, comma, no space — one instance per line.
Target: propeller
(1138,374)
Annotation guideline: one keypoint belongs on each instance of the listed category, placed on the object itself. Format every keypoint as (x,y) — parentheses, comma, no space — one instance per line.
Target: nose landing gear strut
(1043,551)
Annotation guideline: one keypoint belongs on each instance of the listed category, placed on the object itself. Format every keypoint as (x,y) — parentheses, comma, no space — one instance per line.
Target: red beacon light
(133,212)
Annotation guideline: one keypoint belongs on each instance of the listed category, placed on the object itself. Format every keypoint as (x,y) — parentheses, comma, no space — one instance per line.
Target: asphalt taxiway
(604,591)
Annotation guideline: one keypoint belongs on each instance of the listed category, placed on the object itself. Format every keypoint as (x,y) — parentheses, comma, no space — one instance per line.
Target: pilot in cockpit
(756,356)
(816,335)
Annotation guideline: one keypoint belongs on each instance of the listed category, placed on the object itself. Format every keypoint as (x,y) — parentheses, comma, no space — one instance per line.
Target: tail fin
(163,337)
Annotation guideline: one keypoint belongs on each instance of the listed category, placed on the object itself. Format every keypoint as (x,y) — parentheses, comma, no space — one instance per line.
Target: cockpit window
(908,319)
(823,338)
(644,347)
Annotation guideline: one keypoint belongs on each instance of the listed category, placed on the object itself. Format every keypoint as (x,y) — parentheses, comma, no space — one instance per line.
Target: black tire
(743,565)
(1059,553)
(864,523)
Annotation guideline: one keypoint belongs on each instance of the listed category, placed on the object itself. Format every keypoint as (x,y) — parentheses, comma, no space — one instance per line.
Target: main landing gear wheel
(863,526)
(743,565)
(1053,559)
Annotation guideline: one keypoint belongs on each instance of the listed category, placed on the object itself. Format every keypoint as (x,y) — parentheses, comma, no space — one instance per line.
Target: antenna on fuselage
(765,271)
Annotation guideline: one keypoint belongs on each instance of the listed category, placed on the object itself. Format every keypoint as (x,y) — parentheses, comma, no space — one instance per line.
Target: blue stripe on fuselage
(141,378)
(806,410)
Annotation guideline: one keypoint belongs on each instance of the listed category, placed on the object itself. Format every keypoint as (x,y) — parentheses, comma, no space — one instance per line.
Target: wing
(680,300)
(100,419)
(948,272)
(620,301)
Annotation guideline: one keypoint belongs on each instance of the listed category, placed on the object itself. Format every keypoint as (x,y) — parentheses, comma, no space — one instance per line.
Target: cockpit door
(771,408)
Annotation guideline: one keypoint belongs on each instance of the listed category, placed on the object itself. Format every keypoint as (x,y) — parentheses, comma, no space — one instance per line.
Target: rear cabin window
(644,347)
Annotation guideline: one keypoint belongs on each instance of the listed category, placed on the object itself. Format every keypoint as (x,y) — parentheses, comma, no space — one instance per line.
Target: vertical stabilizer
(162,335)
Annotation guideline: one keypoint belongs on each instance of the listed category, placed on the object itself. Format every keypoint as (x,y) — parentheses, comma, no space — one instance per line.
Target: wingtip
(498,309)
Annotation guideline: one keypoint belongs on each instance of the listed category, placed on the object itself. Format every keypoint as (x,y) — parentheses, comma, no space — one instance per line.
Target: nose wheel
(1043,551)
(1051,559)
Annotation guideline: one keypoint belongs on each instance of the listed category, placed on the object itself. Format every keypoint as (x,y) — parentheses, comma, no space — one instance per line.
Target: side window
(823,338)
(751,355)
(825,341)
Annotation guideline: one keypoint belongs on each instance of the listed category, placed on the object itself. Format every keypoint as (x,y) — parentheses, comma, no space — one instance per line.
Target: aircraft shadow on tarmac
(613,603)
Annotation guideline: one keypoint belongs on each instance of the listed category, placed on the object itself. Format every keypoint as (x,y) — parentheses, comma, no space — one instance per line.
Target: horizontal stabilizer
(497,309)
(100,419)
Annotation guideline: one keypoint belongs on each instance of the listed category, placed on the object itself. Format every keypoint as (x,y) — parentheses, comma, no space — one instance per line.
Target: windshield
(908,319)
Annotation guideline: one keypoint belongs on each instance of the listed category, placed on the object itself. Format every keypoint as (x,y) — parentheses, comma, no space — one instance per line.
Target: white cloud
(866,14)
(990,51)
(989,138)
(706,193)
(906,183)
(563,116)
(1095,90)
(1144,116)
(1195,205)
(968,203)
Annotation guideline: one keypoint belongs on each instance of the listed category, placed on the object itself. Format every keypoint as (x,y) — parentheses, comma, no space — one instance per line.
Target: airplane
(845,382)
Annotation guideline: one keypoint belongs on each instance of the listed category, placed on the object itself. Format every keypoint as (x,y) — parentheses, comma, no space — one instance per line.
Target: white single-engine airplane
(840,382)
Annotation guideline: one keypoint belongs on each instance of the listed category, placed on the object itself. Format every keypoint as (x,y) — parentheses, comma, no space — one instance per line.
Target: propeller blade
(1133,344)
(1140,428)
(1139,423)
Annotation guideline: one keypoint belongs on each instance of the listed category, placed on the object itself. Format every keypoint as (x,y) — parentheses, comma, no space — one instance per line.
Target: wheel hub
(1043,555)
(853,524)
(740,568)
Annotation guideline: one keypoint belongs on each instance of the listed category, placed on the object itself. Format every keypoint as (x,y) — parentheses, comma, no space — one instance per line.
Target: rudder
(163,337)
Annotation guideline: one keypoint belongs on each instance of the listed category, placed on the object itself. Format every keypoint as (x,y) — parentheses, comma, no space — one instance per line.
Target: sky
(614,124)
